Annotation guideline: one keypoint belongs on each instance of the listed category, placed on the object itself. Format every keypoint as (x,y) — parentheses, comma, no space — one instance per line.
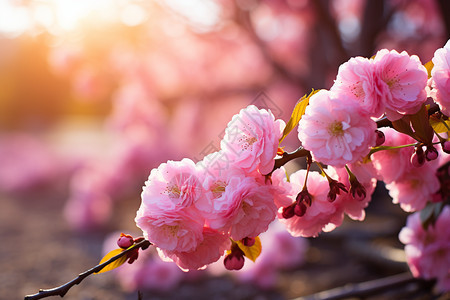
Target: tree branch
(288,156)
(63,289)
(363,289)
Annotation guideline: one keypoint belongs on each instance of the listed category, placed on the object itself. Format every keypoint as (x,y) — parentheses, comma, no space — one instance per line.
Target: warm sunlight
(62,16)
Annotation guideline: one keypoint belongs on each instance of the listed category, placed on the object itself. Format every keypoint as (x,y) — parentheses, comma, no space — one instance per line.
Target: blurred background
(96,93)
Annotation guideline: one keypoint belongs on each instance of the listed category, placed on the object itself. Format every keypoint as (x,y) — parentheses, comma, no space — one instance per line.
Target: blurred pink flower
(441,78)
(428,251)
(322,215)
(392,164)
(402,82)
(209,250)
(251,139)
(357,79)
(89,204)
(414,188)
(27,163)
(335,129)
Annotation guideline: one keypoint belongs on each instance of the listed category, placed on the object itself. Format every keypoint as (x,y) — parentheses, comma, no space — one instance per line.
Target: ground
(39,250)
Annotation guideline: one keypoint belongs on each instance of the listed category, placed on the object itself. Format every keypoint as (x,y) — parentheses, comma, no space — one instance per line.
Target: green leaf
(251,252)
(439,125)
(429,66)
(430,213)
(115,264)
(297,113)
(423,130)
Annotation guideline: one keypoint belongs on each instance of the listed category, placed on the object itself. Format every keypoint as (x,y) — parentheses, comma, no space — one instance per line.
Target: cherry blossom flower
(414,188)
(357,79)
(441,78)
(322,215)
(335,129)
(428,250)
(238,204)
(402,82)
(209,250)
(392,164)
(251,139)
(167,214)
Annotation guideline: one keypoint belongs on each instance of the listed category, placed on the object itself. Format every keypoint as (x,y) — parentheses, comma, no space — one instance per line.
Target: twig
(288,156)
(63,289)
(363,289)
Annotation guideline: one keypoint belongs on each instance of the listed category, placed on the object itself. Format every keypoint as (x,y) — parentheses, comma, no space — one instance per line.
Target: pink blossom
(251,139)
(322,215)
(237,204)
(209,250)
(402,82)
(335,129)
(173,186)
(428,251)
(167,214)
(357,79)
(414,188)
(392,164)
(171,230)
(282,190)
(441,78)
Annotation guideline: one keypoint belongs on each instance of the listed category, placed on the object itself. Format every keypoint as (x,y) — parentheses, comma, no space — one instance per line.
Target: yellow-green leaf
(251,252)
(439,125)
(117,263)
(429,66)
(297,113)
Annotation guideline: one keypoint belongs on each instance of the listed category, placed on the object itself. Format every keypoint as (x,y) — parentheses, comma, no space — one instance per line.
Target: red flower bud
(248,241)
(380,138)
(418,157)
(446,147)
(300,209)
(288,211)
(234,260)
(125,241)
(431,153)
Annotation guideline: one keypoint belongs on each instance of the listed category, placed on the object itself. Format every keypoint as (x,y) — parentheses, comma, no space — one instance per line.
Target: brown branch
(363,289)
(63,289)
(288,156)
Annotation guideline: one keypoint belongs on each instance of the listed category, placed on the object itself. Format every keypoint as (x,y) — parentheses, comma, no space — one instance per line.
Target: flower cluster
(428,250)
(196,212)
(190,211)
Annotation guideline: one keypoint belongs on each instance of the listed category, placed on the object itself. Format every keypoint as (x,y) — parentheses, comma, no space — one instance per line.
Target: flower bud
(358,192)
(446,146)
(300,209)
(418,157)
(431,153)
(234,260)
(248,241)
(288,211)
(304,196)
(125,241)
(335,189)
(380,138)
